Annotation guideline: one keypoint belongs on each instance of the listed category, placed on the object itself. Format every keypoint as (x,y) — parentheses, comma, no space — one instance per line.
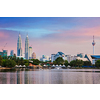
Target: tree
(11,63)
(66,63)
(77,63)
(26,61)
(4,62)
(26,64)
(21,61)
(1,60)
(97,63)
(87,63)
(35,61)
(14,57)
(54,62)
(8,63)
(59,60)
(73,63)
(18,61)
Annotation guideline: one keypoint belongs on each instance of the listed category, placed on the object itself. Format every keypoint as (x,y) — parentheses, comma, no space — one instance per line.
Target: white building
(45,58)
(92,58)
(55,56)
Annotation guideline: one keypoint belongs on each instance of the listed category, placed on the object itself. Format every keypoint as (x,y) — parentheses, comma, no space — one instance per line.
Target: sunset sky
(49,35)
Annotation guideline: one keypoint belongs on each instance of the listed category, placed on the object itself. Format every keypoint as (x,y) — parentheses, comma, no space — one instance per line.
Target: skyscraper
(12,52)
(30,52)
(27,48)
(19,46)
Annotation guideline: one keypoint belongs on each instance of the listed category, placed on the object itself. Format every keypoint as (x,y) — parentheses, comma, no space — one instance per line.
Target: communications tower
(93,43)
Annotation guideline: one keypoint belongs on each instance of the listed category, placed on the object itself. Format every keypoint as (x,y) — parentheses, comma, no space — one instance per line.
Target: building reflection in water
(8,78)
(53,76)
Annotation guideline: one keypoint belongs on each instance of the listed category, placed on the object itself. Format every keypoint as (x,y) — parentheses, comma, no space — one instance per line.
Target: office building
(19,46)
(4,53)
(34,55)
(11,52)
(30,52)
(27,47)
(45,58)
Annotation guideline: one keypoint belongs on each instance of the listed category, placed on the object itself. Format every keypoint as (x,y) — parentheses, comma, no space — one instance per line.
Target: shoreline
(48,68)
(5,68)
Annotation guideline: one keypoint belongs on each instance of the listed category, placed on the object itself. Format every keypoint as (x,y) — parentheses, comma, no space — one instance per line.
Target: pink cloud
(3,35)
(70,42)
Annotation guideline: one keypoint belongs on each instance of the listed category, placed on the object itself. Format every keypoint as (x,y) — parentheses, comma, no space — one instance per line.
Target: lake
(50,76)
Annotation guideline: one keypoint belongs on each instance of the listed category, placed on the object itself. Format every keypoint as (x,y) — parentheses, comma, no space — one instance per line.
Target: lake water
(50,76)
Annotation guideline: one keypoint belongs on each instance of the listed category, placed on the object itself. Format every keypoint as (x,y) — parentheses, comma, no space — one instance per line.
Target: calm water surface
(50,76)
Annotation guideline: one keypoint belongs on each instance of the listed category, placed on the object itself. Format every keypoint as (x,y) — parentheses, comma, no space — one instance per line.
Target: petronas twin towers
(19,47)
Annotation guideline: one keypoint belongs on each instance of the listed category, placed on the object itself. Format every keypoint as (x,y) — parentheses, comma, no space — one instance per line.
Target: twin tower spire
(19,47)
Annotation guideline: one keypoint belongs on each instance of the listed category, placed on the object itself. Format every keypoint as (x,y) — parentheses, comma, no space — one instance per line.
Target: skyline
(48,35)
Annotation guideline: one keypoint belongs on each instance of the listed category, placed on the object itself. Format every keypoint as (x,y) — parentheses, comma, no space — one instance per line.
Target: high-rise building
(27,47)
(33,55)
(4,53)
(12,52)
(53,57)
(30,52)
(19,46)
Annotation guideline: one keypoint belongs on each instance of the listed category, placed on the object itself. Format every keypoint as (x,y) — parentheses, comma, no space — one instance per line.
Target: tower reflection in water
(53,76)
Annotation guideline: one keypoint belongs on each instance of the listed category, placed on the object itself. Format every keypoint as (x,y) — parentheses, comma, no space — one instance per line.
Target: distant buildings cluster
(85,57)
(29,54)
(45,58)
(28,50)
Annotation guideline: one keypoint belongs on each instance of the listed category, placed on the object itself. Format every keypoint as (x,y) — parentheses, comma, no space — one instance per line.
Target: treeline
(79,63)
(60,61)
(75,63)
(13,60)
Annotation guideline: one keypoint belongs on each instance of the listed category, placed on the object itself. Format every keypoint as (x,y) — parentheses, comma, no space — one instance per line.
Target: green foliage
(14,57)
(35,61)
(26,61)
(18,61)
(5,57)
(59,60)
(4,62)
(0,60)
(97,64)
(66,63)
(8,63)
(87,63)
(26,64)
(73,63)
(21,62)
(77,63)
(54,62)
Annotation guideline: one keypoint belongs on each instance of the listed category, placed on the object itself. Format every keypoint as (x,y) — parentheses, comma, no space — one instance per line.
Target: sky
(49,35)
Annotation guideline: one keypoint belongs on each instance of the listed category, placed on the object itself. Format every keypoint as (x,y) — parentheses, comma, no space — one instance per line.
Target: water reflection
(53,76)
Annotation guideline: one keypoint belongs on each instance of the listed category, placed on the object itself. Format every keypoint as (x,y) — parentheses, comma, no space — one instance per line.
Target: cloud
(3,35)
(50,35)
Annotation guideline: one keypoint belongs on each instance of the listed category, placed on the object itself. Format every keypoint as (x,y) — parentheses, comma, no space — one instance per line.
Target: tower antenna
(93,43)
